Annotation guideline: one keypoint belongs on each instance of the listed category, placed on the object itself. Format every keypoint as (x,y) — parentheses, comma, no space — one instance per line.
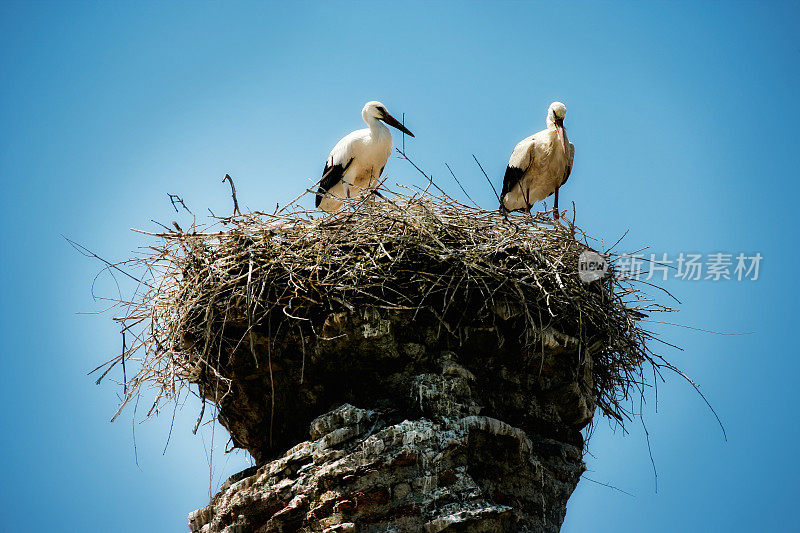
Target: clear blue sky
(684,117)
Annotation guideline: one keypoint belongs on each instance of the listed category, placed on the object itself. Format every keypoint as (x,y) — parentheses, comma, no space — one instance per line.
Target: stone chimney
(388,428)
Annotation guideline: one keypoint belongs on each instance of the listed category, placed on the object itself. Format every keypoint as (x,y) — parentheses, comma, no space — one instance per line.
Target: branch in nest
(233,194)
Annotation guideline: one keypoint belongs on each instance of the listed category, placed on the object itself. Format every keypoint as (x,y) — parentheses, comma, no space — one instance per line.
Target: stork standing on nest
(539,165)
(358,160)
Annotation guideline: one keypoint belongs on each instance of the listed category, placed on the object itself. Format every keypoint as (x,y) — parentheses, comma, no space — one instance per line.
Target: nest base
(411,435)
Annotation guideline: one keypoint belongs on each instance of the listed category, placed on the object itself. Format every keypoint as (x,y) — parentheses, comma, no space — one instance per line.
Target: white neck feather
(377,127)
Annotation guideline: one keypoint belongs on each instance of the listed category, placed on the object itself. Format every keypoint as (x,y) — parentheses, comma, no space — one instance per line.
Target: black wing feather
(566,174)
(512,177)
(332,175)
(568,170)
(510,180)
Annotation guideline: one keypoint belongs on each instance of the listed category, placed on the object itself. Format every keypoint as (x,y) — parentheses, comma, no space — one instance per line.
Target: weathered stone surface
(409,431)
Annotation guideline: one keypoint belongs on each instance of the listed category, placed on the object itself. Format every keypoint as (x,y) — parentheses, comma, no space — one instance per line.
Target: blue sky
(684,119)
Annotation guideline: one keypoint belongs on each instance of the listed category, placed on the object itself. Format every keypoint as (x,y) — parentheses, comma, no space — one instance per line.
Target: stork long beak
(562,134)
(393,122)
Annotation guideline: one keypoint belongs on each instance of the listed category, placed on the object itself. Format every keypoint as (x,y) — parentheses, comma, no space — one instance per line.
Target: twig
(133,433)
(171,425)
(199,418)
(607,485)
(88,253)
(461,186)
(174,198)
(233,194)
(650,452)
(124,373)
(308,190)
(487,178)
(403,122)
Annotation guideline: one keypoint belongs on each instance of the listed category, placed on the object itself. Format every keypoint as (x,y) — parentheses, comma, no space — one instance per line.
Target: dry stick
(133,432)
(429,178)
(88,253)
(174,198)
(607,485)
(572,222)
(162,225)
(650,451)
(124,374)
(487,179)
(703,396)
(211,457)
(403,122)
(171,425)
(655,384)
(697,329)
(618,241)
(308,190)
(462,187)
(233,194)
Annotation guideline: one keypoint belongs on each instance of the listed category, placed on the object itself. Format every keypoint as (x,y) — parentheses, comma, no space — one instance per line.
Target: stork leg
(526,196)
(555,207)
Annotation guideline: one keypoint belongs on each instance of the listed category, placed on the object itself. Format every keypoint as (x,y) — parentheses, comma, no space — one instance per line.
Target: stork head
(376,110)
(555,119)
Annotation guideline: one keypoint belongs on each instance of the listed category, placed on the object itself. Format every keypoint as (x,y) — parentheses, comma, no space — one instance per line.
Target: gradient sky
(684,117)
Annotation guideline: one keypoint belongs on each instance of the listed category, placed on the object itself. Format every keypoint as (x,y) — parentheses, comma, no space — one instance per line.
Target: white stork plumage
(358,160)
(539,165)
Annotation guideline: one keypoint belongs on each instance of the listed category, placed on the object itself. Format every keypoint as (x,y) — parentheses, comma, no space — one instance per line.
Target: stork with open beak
(358,160)
(539,165)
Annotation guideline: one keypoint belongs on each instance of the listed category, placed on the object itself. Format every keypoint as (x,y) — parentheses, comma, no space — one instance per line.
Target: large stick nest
(415,251)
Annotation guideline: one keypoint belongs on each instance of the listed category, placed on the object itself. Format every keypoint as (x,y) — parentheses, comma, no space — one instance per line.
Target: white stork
(539,165)
(358,160)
